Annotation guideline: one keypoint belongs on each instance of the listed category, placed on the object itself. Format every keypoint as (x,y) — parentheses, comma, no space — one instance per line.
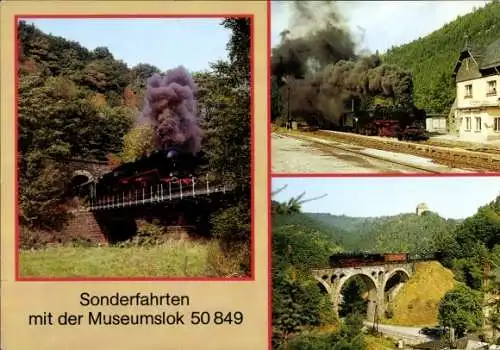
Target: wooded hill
(403,232)
(431,59)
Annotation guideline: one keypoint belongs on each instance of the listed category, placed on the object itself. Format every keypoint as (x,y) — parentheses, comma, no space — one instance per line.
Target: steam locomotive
(385,121)
(169,166)
(354,259)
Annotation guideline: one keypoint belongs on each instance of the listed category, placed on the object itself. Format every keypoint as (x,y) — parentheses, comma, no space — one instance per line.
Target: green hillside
(431,59)
(407,232)
(347,230)
(302,241)
(403,232)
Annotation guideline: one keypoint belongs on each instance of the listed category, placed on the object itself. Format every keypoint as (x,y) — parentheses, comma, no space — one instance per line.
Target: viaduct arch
(382,281)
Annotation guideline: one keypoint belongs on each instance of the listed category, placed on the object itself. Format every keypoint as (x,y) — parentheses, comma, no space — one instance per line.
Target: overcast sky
(163,42)
(450,197)
(385,23)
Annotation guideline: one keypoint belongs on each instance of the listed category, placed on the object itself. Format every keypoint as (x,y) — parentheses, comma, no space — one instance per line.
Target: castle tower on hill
(422,208)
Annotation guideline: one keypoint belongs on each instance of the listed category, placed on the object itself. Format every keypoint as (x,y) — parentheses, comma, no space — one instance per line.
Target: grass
(173,259)
(378,343)
(417,302)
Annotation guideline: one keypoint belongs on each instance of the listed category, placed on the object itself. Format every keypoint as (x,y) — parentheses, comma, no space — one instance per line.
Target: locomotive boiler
(168,166)
(385,121)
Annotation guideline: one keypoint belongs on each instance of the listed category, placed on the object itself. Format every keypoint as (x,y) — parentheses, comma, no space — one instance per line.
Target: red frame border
(269,188)
(18,277)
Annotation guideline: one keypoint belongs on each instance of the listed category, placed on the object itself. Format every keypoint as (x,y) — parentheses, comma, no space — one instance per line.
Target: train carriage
(365,258)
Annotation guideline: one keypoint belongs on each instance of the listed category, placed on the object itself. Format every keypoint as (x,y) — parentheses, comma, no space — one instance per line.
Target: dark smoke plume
(316,60)
(317,37)
(170,106)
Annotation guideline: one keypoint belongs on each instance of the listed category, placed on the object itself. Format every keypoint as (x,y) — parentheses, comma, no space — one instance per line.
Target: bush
(149,235)
(30,239)
(232,262)
(232,226)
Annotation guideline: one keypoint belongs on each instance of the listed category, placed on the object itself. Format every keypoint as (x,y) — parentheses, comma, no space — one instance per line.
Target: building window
(492,88)
(478,123)
(468,91)
(468,124)
(496,124)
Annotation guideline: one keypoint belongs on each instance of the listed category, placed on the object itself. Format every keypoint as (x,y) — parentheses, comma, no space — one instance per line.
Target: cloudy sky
(385,23)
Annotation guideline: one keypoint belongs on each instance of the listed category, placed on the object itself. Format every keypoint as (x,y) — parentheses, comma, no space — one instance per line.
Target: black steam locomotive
(385,121)
(169,167)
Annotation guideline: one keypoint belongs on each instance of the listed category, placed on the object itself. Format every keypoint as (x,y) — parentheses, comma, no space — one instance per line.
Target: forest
(76,103)
(402,232)
(431,59)
(302,316)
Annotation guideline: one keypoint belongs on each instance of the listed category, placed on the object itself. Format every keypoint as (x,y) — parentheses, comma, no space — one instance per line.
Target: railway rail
(451,157)
(409,166)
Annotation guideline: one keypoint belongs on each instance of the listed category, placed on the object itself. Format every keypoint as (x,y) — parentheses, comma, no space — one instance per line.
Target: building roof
(486,57)
(491,55)
(471,341)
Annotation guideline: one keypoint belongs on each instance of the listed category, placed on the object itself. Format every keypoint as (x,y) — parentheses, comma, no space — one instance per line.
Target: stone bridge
(383,282)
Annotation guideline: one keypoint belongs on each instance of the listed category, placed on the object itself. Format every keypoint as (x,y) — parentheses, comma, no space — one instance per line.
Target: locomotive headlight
(171,154)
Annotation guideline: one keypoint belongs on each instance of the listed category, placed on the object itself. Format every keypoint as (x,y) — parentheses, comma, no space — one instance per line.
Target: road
(292,155)
(409,334)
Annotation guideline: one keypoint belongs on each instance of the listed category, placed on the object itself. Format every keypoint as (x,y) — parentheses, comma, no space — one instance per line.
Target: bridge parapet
(157,194)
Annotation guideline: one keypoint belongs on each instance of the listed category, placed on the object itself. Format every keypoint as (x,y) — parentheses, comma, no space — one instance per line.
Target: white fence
(155,194)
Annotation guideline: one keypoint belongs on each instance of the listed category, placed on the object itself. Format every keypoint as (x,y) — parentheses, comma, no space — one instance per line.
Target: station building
(477,109)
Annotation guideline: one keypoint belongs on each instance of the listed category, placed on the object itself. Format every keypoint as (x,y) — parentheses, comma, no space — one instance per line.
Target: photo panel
(348,98)
(385,262)
(133,158)
(129,173)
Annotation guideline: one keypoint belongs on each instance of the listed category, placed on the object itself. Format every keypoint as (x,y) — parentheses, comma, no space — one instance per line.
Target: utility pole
(288,121)
(375,318)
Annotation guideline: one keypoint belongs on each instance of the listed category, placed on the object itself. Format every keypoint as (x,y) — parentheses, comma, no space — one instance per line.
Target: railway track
(451,157)
(406,165)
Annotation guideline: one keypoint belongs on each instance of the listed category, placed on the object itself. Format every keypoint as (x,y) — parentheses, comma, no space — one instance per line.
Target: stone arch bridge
(383,282)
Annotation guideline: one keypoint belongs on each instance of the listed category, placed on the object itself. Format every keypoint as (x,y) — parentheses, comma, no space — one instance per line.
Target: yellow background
(19,299)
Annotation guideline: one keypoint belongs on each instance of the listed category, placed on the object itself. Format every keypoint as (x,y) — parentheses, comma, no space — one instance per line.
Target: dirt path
(407,333)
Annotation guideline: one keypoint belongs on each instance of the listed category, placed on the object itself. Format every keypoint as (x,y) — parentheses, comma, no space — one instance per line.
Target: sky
(385,23)
(450,197)
(164,43)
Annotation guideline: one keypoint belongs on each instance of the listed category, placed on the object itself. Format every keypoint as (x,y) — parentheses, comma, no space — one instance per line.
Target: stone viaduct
(383,282)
